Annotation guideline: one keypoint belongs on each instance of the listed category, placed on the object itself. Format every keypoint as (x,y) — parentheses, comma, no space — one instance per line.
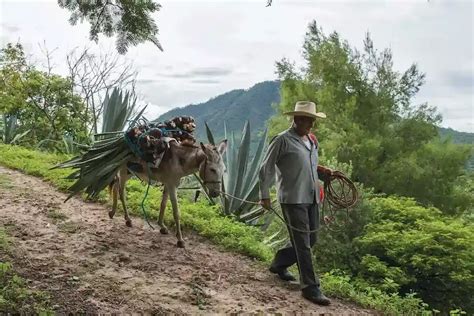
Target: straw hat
(306,108)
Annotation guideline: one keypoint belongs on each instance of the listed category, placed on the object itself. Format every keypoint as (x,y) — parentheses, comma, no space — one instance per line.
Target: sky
(211,47)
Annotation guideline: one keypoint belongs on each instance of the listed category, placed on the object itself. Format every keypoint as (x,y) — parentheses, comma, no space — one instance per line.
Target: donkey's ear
(222,146)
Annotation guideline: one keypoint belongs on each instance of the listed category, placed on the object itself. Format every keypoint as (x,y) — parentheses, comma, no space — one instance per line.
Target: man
(294,157)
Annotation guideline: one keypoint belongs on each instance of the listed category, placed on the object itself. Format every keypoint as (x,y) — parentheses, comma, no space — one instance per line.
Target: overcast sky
(211,47)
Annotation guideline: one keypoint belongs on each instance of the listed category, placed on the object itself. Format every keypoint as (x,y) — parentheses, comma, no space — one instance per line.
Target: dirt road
(89,263)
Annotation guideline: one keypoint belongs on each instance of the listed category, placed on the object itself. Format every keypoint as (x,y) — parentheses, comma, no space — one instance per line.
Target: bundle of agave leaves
(97,167)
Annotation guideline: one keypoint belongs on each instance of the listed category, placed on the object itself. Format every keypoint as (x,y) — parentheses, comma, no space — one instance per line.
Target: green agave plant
(8,128)
(67,145)
(119,106)
(241,180)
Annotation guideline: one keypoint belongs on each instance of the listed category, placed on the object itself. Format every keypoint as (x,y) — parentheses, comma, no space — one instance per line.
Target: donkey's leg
(114,192)
(123,177)
(174,202)
(161,218)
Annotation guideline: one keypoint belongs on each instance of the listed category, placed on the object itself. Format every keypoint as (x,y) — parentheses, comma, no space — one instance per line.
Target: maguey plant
(9,129)
(241,180)
(118,108)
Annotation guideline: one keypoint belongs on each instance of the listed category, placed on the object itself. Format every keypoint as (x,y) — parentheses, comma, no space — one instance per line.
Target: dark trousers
(298,250)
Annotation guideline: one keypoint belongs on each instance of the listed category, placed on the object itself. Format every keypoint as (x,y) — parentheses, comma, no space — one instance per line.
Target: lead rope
(274,211)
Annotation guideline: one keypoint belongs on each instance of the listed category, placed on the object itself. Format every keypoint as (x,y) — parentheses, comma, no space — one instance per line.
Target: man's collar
(294,134)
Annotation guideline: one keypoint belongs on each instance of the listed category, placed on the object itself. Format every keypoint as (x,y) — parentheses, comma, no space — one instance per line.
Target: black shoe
(283,274)
(314,295)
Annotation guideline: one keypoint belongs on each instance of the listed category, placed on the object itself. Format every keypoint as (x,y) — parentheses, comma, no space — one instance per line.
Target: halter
(204,181)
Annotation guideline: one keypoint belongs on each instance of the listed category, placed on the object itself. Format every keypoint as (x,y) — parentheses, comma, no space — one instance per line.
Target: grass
(207,221)
(15,296)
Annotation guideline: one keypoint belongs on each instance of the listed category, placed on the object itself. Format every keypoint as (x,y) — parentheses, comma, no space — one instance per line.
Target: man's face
(303,124)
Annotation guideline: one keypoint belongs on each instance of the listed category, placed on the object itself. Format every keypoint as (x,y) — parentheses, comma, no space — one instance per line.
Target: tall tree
(372,122)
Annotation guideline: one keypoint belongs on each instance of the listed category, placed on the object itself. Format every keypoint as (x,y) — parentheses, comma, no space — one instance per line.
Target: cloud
(205,81)
(460,80)
(147,81)
(10,28)
(199,72)
(211,72)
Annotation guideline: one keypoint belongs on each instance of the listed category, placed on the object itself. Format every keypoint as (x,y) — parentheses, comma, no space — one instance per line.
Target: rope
(274,211)
(340,200)
(335,200)
(146,195)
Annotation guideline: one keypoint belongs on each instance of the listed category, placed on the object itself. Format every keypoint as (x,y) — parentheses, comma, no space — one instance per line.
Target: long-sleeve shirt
(295,166)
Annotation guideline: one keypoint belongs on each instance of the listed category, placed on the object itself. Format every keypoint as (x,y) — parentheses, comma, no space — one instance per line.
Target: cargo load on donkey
(163,152)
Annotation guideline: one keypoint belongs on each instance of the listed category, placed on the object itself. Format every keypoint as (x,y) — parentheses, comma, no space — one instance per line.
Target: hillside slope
(90,264)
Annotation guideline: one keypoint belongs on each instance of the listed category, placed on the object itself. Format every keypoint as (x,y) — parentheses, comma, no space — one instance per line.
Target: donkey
(179,160)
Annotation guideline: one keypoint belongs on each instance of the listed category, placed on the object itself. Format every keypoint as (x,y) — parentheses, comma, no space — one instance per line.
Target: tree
(43,102)
(372,122)
(93,76)
(130,21)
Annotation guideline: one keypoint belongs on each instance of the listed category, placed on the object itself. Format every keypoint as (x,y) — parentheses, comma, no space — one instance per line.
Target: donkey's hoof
(111,214)
(164,230)
(180,244)
(128,223)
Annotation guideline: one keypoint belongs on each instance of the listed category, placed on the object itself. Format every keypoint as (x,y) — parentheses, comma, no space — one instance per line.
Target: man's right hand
(266,204)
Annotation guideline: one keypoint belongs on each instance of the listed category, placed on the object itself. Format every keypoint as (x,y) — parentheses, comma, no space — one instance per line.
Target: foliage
(460,138)
(129,21)
(457,137)
(372,122)
(67,145)
(118,109)
(339,284)
(42,102)
(241,180)
(418,249)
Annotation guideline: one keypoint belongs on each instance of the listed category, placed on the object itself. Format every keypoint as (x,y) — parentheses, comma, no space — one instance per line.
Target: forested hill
(457,137)
(233,108)
(255,104)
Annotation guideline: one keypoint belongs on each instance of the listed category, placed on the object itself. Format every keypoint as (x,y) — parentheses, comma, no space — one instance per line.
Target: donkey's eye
(213,170)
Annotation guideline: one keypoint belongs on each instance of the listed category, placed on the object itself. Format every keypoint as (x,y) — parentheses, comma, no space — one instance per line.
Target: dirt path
(89,263)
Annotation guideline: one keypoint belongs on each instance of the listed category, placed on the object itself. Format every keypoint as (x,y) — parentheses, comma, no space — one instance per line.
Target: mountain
(457,137)
(233,108)
(255,104)
(460,138)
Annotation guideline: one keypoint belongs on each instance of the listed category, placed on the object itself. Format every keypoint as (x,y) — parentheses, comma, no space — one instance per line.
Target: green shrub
(420,250)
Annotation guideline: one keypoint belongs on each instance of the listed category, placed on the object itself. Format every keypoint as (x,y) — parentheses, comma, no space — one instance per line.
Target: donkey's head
(212,168)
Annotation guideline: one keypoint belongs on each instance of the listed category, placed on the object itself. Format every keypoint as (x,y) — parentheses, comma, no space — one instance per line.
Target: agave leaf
(250,186)
(252,215)
(210,137)
(118,108)
(252,196)
(17,137)
(272,236)
(242,158)
(256,161)
(93,177)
